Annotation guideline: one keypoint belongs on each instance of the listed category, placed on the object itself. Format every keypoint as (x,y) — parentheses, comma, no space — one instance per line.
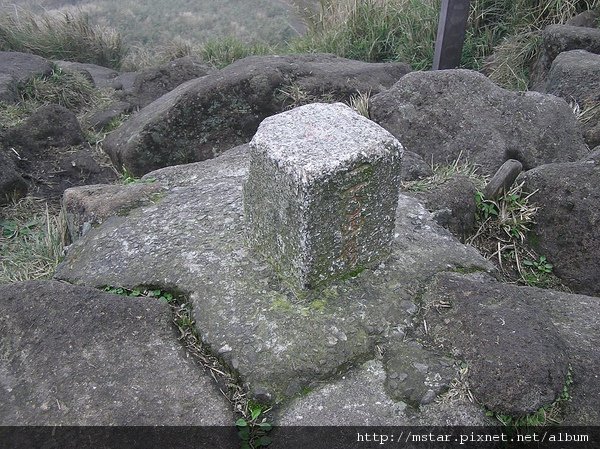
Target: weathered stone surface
(102,118)
(193,241)
(453,204)
(152,83)
(98,75)
(89,206)
(414,167)
(575,76)
(16,68)
(516,358)
(588,19)
(577,318)
(322,192)
(594,156)
(12,185)
(560,38)
(202,118)
(447,114)
(567,229)
(76,356)
(503,179)
(416,375)
(359,399)
(49,126)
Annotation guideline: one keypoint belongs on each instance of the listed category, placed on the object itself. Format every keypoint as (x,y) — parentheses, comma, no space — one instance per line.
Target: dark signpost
(451,34)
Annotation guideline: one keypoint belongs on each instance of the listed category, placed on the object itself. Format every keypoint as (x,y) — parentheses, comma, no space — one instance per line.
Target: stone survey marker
(322,191)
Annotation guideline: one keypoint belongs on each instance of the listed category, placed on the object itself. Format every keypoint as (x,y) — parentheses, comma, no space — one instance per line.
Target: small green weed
(142,292)
(253,430)
(126,177)
(542,265)
(485,208)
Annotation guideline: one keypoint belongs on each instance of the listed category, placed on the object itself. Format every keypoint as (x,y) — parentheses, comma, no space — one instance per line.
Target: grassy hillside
(156,22)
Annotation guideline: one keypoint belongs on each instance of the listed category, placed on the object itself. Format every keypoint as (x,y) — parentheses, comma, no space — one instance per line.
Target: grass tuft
(32,241)
(68,36)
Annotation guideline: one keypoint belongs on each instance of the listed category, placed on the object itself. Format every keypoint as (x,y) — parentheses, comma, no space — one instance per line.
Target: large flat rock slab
(361,399)
(193,240)
(72,355)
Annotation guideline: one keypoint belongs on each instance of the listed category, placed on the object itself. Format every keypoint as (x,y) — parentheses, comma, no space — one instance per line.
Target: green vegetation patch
(32,241)
(70,37)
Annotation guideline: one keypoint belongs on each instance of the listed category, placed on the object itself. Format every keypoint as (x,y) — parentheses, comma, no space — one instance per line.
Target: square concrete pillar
(321,196)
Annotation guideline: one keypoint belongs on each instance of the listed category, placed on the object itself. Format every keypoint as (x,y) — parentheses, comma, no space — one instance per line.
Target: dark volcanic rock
(12,185)
(567,229)
(447,114)
(204,117)
(575,76)
(517,360)
(17,68)
(453,204)
(49,126)
(78,356)
(98,75)
(503,179)
(560,38)
(153,83)
(588,19)
(414,167)
(103,118)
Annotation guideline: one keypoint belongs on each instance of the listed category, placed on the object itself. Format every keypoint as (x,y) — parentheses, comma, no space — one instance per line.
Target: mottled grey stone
(89,206)
(322,192)
(416,375)
(359,399)
(193,240)
(71,355)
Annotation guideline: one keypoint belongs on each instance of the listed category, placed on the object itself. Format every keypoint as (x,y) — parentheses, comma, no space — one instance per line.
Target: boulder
(49,126)
(587,19)
(453,204)
(152,83)
(12,185)
(76,356)
(517,360)
(103,118)
(560,38)
(204,117)
(99,76)
(449,114)
(567,229)
(575,76)
(193,239)
(17,68)
(414,167)
(89,206)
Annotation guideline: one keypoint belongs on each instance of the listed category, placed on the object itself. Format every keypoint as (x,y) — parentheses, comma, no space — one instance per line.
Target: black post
(451,34)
